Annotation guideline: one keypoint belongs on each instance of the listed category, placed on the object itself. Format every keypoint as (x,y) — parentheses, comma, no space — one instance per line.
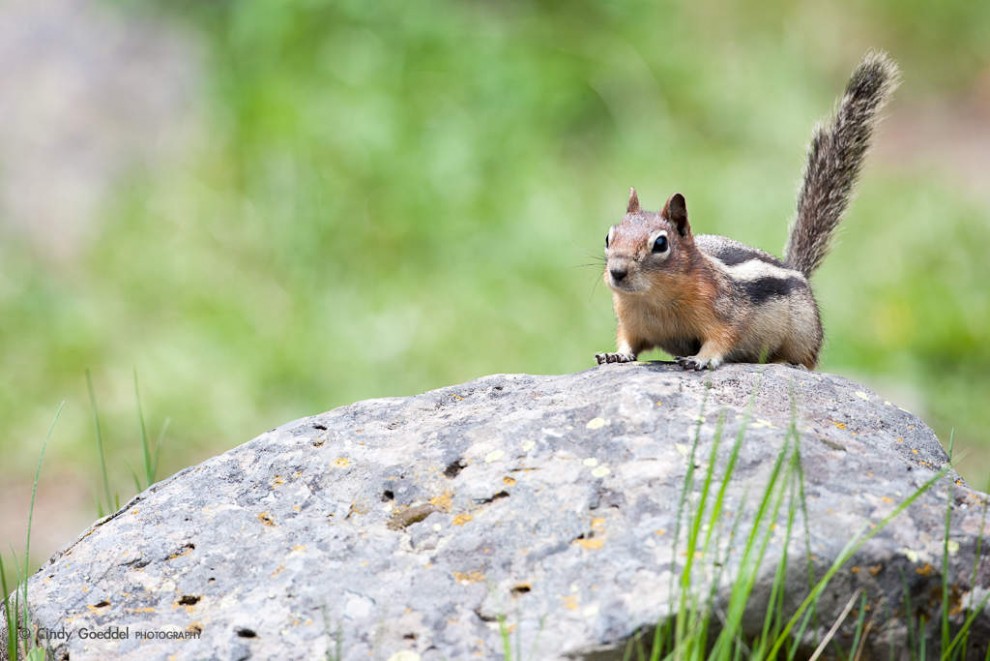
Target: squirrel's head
(646,247)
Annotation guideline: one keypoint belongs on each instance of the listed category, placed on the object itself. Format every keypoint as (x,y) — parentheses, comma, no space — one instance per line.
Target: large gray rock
(417,524)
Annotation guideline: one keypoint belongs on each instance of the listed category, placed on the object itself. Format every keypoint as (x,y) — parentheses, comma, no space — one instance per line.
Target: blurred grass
(390,197)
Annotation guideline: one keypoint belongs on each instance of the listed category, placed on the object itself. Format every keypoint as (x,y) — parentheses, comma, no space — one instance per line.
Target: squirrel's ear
(633,205)
(675,211)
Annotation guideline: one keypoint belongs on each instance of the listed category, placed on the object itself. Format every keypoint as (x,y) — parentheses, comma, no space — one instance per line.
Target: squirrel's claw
(695,363)
(603,358)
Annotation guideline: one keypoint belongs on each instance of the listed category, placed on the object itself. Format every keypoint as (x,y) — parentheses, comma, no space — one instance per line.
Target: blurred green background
(379,198)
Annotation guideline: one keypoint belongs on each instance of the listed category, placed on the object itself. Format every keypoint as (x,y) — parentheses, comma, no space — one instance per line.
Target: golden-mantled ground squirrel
(707,299)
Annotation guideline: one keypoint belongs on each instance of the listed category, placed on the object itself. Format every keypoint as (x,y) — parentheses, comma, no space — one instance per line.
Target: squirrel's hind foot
(696,363)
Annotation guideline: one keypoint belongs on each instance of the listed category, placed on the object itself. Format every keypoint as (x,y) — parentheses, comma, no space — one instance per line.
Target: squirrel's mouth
(623,286)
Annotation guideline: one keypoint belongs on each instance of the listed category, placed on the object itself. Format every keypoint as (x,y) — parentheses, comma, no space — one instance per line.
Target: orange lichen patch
(571,602)
(443,501)
(469,577)
(887,499)
(266,519)
(341,462)
(298,548)
(457,398)
(874,569)
(278,570)
(297,508)
(839,425)
(854,569)
(597,523)
(900,439)
(590,543)
(660,532)
(142,609)
(278,481)
(462,518)
(925,570)
(135,510)
(508,481)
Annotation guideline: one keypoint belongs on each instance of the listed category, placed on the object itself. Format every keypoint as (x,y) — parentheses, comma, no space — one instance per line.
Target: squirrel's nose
(618,274)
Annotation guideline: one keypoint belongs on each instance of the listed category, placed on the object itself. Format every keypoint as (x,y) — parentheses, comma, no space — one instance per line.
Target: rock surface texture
(538,510)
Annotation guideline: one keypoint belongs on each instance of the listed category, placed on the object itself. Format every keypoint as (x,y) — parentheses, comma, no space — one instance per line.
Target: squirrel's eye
(606,239)
(660,245)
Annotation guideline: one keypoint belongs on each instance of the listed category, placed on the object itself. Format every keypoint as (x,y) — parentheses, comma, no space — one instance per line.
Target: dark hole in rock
(244,632)
(320,427)
(453,468)
(188,600)
(102,604)
(388,494)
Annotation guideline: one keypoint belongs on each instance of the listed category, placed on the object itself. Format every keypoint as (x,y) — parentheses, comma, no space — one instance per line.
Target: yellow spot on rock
(143,609)
(443,501)
(660,531)
(494,455)
(952,546)
(278,481)
(590,543)
(508,481)
(299,548)
(462,518)
(341,462)
(601,471)
(469,577)
(910,554)
(266,519)
(405,655)
(887,499)
(596,423)
(571,602)
(863,395)
(839,425)
(925,570)
(528,445)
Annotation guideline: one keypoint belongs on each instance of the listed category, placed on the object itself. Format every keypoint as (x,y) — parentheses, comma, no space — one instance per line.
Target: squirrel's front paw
(603,358)
(696,363)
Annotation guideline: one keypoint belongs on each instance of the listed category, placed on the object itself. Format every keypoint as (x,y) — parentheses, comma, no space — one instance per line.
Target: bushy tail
(834,160)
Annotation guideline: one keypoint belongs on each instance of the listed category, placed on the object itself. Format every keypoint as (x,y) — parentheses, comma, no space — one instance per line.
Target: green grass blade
(99,448)
(146,454)
(847,552)
(10,612)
